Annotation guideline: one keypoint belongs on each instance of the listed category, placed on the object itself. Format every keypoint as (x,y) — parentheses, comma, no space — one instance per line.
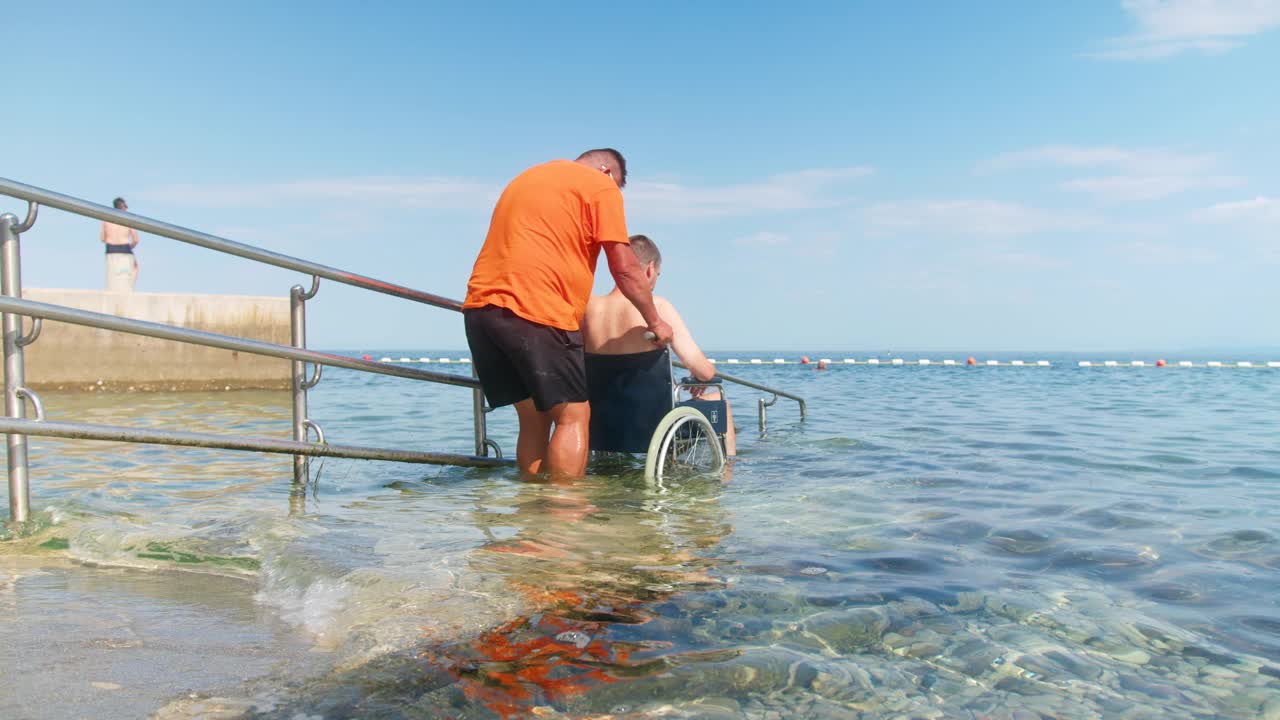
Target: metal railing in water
(16,395)
(18,427)
(761,404)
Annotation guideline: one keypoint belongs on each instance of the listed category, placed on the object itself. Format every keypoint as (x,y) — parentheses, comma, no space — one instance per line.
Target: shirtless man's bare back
(122,264)
(612,326)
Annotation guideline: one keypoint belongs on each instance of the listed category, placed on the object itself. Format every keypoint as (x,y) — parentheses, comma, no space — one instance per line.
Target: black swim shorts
(516,359)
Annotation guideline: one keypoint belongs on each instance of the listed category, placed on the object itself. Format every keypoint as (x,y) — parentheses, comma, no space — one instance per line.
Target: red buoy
(1159,363)
(972,361)
(804,361)
(366,357)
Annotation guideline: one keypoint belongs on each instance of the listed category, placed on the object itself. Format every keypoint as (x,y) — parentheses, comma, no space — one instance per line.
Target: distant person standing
(529,289)
(122,264)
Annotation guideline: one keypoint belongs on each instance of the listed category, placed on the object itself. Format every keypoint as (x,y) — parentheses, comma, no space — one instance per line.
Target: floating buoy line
(918,362)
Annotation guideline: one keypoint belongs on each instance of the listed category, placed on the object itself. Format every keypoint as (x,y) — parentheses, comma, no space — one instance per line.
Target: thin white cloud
(978,218)
(1130,174)
(1166,28)
(1148,187)
(1147,253)
(927,280)
(1259,209)
(1133,160)
(1024,260)
(424,192)
(801,190)
(764,238)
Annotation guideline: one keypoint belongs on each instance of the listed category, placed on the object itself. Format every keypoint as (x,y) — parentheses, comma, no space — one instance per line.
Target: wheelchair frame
(686,418)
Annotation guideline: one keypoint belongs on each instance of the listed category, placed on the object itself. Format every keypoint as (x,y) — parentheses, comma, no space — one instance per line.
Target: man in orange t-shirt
(529,289)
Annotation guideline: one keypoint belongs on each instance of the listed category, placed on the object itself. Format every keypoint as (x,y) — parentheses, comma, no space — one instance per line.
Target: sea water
(931,542)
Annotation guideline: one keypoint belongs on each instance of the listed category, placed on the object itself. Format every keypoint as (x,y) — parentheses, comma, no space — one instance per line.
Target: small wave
(1020,542)
(1239,542)
(1107,561)
(1253,473)
(899,564)
(1170,459)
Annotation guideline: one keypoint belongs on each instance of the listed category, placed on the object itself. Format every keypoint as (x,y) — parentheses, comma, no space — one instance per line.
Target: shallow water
(932,542)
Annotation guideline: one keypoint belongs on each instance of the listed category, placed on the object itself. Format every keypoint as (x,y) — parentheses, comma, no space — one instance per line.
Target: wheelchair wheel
(684,443)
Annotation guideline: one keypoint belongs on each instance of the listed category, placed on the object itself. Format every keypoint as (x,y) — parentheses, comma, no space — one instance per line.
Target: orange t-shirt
(539,258)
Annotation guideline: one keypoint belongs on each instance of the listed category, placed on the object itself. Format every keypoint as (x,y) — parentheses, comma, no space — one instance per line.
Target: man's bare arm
(684,346)
(103,233)
(629,276)
(134,235)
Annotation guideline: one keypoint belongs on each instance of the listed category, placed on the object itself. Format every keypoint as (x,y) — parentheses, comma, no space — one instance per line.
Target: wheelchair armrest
(690,380)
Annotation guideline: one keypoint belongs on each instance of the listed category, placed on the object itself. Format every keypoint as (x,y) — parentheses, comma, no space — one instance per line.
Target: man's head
(120,204)
(608,161)
(650,258)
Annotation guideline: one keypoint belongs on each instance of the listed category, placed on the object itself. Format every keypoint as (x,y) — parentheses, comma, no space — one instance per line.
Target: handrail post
(14,370)
(771,401)
(478,419)
(298,379)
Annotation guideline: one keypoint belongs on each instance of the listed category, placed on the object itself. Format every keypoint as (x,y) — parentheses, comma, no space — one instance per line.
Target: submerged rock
(847,631)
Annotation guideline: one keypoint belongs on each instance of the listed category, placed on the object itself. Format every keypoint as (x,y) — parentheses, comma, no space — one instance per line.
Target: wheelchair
(638,407)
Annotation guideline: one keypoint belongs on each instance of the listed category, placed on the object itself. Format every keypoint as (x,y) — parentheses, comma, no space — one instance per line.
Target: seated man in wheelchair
(618,352)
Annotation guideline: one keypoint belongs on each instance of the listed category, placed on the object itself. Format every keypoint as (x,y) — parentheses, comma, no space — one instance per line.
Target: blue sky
(960,176)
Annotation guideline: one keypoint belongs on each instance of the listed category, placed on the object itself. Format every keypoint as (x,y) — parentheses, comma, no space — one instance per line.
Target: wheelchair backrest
(629,395)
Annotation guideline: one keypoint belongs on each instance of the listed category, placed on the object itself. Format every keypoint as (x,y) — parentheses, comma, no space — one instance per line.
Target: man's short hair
(617,158)
(118,203)
(646,250)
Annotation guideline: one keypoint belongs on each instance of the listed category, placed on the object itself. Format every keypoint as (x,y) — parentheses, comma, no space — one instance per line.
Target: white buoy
(897,361)
(386,359)
(1214,363)
(923,361)
(1085,363)
(711,360)
(993,362)
(1273,363)
(1016,362)
(464,360)
(1185,363)
(948,362)
(1137,363)
(1042,363)
(405,360)
(757,361)
(424,359)
(733,361)
(1244,363)
(1110,363)
(850,361)
(825,360)
(444,360)
(779,361)
(873,361)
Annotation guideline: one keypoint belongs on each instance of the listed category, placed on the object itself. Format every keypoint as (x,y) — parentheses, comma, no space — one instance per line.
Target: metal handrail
(118,433)
(52,199)
(12,307)
(758,386)
(77,316)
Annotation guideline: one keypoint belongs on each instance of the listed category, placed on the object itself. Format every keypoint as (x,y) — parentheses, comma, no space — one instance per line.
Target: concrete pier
(74,357)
